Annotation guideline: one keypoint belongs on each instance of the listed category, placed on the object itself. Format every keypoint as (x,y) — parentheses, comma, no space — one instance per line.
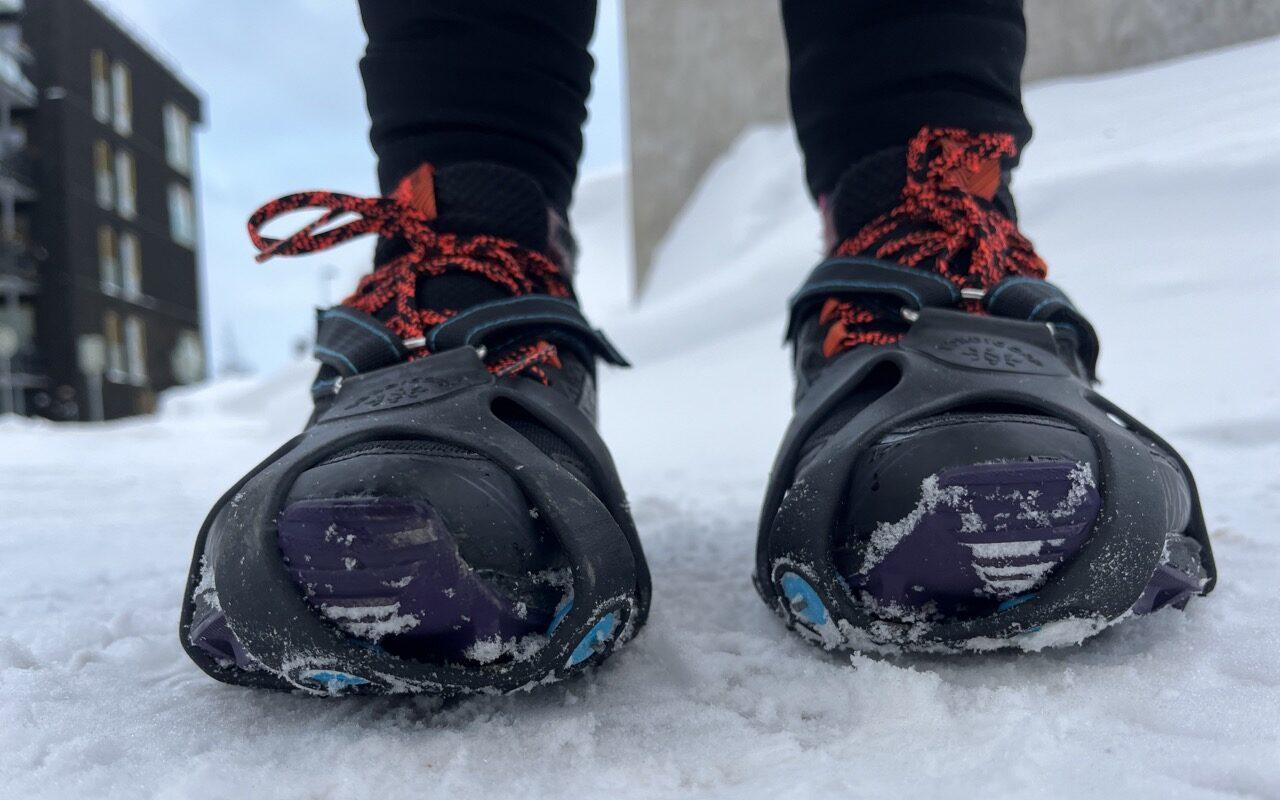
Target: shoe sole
(387,571)
(983,539)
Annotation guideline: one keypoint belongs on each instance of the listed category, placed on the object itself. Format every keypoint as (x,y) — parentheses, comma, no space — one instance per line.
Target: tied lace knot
(390,291)
(945,221)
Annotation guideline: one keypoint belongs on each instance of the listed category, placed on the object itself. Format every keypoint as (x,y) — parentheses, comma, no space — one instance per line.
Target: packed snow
(1152,194)
(888,535)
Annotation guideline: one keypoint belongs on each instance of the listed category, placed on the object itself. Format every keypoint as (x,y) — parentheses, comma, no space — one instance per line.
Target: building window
(101,86)
(115,345)
(108,263)
(126,185)
(182,215)
(178,148)
(22,228)
(24,322)
(135,347)
(130,266)
(103,176)
(122,99)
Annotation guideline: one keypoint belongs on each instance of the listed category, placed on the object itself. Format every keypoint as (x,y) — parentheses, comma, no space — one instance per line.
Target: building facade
(98,249)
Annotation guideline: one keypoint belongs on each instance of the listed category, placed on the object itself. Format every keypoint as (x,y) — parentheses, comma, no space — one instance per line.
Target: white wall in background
(701,72)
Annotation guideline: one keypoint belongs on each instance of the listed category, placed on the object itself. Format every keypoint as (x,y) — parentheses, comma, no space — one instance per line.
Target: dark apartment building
(98,223)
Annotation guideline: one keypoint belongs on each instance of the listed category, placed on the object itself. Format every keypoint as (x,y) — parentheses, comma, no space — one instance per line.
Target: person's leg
(868,74)
(944,481)
(498,81)
(895,103)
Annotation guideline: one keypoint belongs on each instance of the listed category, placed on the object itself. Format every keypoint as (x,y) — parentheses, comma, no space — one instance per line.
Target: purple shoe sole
(983,539)
(387,572)
(978,535)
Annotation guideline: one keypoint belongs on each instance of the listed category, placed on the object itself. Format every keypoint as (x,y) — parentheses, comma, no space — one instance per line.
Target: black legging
(507,81)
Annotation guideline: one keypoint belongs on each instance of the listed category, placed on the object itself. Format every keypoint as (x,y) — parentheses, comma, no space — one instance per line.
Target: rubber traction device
(278,640)
(1032,354)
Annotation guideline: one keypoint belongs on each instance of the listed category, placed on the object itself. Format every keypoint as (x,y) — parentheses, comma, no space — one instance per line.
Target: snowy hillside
(1153,195)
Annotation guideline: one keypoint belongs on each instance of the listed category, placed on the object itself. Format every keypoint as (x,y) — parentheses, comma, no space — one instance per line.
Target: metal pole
(91,357)
(15,402)
(95,396)
(6,380)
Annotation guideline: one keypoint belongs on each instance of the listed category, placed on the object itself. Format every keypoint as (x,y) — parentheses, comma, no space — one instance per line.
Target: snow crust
(888,535)
(373,623)
(487,651)
(1152,195)
(997,580)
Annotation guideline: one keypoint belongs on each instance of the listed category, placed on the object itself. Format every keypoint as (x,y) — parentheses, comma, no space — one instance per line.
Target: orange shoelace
(390,291)
(945,221)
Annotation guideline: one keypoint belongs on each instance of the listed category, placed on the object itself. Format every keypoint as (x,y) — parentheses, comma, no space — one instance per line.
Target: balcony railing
(20,168)
(27,362)
(19,262)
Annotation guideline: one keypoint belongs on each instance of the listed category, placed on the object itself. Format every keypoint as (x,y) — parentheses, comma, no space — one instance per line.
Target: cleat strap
(350,342)
(850,277)
(1016,297)
(474,326)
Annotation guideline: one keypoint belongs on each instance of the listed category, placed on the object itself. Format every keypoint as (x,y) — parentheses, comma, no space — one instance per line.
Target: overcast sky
(285,112)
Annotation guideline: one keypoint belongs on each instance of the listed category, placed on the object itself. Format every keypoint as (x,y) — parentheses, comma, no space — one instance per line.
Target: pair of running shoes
(449,522)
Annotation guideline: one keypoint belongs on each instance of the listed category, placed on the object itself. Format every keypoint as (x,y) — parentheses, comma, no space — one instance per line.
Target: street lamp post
(187,359)
(9,403)
(91,354)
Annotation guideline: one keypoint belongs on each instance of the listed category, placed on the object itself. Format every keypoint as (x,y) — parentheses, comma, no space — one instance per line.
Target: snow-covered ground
(1154,196)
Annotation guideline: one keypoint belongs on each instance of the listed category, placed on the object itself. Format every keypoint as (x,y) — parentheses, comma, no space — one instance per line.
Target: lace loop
(381,215)
(945,221)
(390,292)
(945,211)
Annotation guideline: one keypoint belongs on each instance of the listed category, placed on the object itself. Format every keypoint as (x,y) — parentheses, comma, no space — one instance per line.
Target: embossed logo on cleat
(987,352)
(424,379)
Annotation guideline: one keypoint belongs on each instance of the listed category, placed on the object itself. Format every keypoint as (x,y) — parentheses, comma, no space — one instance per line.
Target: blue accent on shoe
(599,634)
(804,601)
(566,606)
(1015,601)
(331,680)
(344,314)
(326,351)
